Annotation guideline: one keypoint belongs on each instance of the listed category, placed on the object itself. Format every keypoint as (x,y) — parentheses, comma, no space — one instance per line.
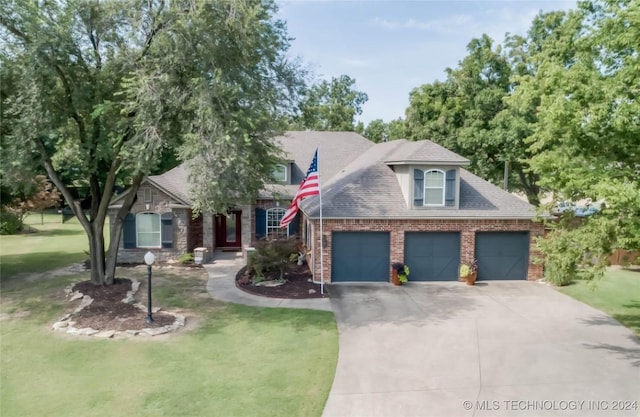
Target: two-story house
(410,202)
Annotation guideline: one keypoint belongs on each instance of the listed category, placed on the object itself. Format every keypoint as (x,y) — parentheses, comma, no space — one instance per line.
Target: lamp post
(148,259)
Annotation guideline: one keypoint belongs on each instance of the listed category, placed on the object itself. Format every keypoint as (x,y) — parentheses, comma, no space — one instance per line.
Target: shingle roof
(423,151)
(358,181)
(174,182)
(335,151)
(369,188)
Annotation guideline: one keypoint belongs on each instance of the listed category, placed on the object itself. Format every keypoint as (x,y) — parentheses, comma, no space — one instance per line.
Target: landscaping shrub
(186,258)
(273,255)
(10,223)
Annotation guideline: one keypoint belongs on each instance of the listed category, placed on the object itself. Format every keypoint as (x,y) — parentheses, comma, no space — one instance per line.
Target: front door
(228,229)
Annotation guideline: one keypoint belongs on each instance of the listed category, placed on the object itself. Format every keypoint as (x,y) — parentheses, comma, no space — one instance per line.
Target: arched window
(434,181)
(280,173)
(274,215)
(148,230)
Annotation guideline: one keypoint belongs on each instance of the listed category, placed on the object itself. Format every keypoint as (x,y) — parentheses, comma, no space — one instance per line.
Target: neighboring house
(403,201)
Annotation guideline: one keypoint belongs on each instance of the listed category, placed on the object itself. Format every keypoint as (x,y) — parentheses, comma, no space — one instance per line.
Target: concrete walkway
(495,349)
(222,286)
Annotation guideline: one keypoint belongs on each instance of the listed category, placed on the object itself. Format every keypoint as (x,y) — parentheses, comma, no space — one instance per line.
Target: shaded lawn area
(617,294)
(231,360)
(50,246)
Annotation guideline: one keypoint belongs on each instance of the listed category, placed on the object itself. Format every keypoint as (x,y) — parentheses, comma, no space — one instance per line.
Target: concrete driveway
(498,348)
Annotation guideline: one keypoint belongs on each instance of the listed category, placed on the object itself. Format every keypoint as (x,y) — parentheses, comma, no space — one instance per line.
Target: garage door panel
(360,256)
(502,255)
(432,256)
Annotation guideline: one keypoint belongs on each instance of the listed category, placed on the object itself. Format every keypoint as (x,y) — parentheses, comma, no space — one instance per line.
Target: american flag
(308,186)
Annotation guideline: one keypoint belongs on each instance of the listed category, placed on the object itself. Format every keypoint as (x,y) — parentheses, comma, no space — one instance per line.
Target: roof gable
(423,151)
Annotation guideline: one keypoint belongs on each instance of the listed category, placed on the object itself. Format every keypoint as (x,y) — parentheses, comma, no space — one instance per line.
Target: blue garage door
(360,256)
(502,255)
(432,256)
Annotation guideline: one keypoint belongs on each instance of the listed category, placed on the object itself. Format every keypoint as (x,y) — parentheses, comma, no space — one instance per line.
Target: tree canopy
(102,93)
(560,104)
(585,144)
(330,105)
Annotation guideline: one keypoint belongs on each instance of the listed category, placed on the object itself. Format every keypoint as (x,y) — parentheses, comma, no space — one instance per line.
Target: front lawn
(617,294)
(52,245)
(231,360)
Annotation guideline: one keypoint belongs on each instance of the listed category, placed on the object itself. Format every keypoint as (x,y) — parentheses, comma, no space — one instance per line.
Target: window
(148,230)
(434,188)
(429,187)
(274,215)
(280,173)
(148,198)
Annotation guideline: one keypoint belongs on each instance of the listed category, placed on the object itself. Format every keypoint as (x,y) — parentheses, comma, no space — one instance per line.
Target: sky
(392,47)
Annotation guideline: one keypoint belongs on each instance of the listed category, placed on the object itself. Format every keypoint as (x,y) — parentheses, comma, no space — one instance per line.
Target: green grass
(53,245)
(617,294)
(233,361)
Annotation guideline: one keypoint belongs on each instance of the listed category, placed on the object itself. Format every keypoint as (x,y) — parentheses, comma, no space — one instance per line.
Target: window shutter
(129,232)
(450,189)
(261,223)
(418,187)
(166,230)
(294,226)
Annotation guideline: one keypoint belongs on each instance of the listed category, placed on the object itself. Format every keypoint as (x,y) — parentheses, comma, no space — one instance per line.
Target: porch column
(208,235)
(246,232)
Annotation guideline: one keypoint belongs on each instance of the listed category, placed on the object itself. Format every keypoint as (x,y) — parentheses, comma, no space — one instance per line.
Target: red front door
(228,229)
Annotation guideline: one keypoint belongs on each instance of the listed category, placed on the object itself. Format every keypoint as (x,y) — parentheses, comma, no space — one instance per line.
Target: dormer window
(434,188)
(280,173)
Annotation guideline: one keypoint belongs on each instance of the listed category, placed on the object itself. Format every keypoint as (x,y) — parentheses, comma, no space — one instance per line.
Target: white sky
(391,47)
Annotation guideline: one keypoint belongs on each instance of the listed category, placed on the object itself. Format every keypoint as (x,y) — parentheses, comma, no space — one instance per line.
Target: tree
(376,131)
(330,105)
(585,142)
(379,131)
(102,93)
(467,113)
(40,194)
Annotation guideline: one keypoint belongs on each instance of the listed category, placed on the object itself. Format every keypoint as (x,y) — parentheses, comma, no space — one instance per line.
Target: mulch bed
(108,312)
(297,286)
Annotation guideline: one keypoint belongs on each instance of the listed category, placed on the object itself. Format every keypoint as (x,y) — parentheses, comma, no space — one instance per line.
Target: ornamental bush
(10,223)
(273,255)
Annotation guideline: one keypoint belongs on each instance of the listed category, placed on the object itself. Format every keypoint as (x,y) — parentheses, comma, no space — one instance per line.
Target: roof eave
(433,162)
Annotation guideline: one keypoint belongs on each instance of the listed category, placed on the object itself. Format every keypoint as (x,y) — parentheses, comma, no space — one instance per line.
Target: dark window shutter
(418,187)
(166,230)
(261,223)
(450,188)
(294,226)
(129,232)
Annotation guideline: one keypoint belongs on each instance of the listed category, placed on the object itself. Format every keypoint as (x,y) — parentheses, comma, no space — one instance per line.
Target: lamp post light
(148,259)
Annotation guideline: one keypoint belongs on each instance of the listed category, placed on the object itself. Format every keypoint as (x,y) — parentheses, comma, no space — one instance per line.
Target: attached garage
(502,255)
(432,256)
(360,256)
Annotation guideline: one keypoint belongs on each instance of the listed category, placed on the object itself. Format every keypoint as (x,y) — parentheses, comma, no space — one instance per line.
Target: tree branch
(69,96)
(55,178)
(154,31)
(14,30)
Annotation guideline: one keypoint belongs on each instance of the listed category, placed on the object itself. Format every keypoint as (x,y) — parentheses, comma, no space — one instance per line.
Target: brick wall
(396,229)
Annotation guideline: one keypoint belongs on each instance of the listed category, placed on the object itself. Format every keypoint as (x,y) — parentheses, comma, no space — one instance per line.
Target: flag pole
(321,230)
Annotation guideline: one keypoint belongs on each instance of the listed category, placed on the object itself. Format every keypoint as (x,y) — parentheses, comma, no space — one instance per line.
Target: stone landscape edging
(67,325)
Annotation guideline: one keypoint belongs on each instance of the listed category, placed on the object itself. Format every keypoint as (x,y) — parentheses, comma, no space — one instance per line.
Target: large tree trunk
(103,264)
(529,185)
(96,255)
